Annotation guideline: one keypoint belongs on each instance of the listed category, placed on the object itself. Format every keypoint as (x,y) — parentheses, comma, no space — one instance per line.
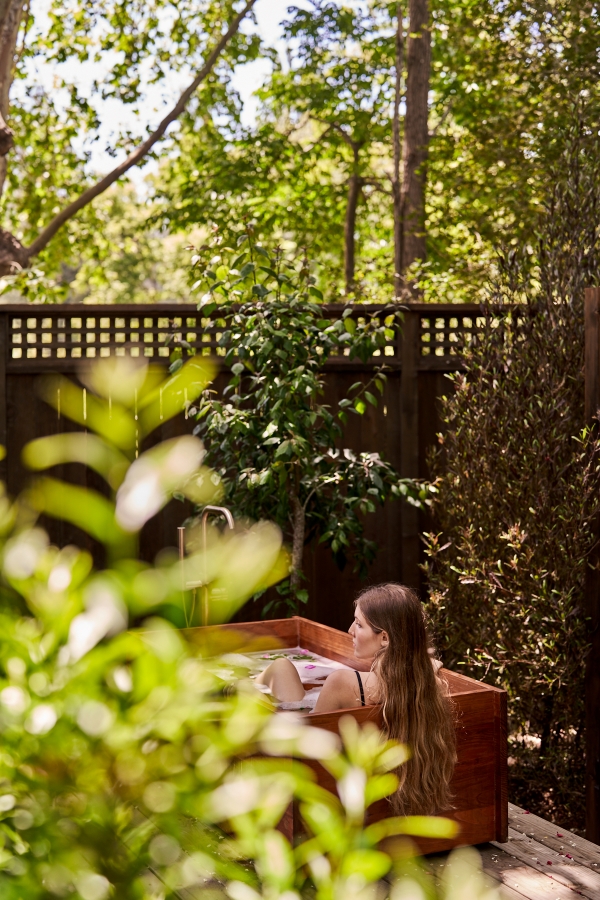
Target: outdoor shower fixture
(199,585)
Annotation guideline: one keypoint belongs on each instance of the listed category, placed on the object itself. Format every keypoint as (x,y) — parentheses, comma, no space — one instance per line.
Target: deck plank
(575,876)
(519,880)
(584,852)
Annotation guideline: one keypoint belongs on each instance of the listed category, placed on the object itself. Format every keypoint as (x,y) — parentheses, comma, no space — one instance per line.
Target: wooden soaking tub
(479,784)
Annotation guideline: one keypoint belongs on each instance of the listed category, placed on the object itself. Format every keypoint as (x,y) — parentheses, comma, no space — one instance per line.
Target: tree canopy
(316,167)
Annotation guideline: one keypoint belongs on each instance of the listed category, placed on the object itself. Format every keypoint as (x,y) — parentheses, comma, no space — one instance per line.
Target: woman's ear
(385,640)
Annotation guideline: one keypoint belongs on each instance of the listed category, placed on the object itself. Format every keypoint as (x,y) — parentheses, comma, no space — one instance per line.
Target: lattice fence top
(50,337)
(444,335)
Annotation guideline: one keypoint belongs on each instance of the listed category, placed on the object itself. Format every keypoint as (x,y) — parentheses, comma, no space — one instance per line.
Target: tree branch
(354,145)
(144,148)
(378,185)
(443,117)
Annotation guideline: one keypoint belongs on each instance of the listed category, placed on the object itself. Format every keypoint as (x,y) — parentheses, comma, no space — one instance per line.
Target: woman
(389,629)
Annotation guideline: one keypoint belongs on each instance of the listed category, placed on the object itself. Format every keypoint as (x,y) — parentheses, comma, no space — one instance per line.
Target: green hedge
(518,487)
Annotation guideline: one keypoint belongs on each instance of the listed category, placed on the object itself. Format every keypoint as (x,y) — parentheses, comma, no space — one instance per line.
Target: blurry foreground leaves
(133,766)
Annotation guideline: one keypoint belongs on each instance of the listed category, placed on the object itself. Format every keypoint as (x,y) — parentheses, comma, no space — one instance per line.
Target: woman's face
(367,643)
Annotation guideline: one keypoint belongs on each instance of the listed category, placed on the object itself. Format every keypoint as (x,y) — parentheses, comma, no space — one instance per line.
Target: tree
(505,81)
(396,152)
(416,135)
(326,121)
(137,36)
(316,153)
(502,80)
(277,447)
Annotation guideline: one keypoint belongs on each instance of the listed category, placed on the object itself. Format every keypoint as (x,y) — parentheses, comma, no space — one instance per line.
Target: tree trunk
(354,188)
(396,188)
(299,526)
(11,14)
(416,133)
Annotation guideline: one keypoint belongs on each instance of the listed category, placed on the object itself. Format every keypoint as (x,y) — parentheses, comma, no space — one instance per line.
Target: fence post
(409,444)
(3,411)
(592,585)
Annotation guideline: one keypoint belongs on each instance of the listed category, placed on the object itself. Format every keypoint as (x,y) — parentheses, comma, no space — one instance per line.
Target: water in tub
(312,668)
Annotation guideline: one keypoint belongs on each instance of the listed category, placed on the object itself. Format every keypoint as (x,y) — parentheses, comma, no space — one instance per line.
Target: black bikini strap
(362,693)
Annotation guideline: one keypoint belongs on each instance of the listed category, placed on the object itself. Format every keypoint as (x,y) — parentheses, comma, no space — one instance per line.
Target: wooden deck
(539,861)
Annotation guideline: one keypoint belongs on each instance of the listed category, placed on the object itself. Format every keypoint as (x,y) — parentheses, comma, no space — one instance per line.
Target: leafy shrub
(518,492)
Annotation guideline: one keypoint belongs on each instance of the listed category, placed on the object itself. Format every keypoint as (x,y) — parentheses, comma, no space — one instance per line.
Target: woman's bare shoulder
(340,691)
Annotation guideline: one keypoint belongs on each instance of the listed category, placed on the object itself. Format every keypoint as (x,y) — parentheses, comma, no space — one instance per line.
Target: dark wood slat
(3,411)
(501,773)
(331,591)
(409,446)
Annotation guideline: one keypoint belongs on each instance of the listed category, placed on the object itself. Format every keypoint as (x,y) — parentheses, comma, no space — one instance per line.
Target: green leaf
(370,864)
(360,406)
(269,271)
(270,429)
(236,263)
(237,368)
(372,400)
(283,449)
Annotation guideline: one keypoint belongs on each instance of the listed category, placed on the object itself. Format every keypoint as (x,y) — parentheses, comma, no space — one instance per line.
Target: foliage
(276,445)
(136,763)
(518,493)
(124,400)
(128,262)
(506,78)
(129,52)
(324,121)
(109,747)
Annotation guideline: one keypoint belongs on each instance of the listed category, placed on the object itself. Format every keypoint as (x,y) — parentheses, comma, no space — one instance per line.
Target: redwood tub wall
(479,784)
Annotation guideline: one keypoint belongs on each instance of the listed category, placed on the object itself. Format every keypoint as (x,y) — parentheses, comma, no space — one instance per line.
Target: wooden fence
(35,340)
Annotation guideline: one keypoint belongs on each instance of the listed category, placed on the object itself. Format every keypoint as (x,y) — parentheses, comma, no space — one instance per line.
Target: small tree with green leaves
(277,446)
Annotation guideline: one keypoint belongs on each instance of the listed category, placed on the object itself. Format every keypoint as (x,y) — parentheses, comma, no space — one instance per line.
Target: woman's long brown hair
(417,710)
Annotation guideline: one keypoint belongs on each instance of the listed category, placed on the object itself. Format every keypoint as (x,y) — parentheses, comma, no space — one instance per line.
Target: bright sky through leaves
(117,117)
